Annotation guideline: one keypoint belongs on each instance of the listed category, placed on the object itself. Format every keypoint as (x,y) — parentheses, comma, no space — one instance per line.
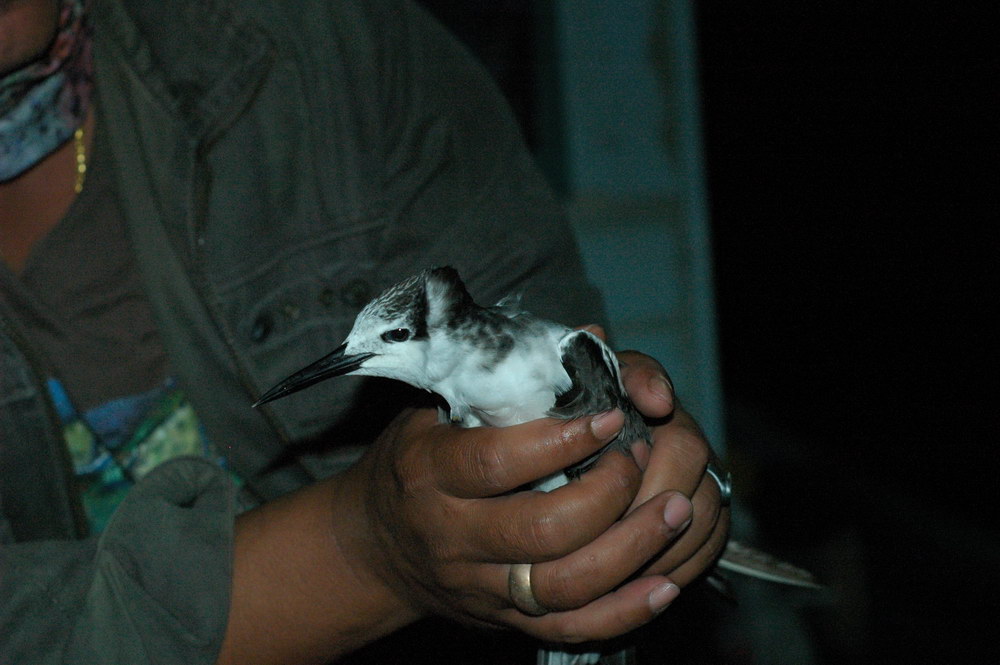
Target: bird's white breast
(521,387)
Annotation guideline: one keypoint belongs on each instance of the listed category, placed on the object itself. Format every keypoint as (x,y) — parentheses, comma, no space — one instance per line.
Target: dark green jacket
(278,163)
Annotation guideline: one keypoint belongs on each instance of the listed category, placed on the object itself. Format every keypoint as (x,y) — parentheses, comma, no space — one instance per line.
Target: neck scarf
(44,102)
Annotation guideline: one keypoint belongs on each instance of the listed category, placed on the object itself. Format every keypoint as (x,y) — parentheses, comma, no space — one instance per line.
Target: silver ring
(722,478)
(519,588)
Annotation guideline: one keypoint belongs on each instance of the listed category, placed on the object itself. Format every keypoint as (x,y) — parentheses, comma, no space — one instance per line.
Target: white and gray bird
(498,366)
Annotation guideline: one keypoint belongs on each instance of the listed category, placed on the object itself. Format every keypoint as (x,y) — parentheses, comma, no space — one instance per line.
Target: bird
(499,366)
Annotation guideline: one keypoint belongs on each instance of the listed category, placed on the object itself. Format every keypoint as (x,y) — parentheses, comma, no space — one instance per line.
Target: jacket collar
(198,60)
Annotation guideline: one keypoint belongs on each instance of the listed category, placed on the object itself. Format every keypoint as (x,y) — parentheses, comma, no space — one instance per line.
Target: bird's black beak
(330,365)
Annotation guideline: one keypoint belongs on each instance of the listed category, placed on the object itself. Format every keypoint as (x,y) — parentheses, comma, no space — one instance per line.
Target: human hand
(432,517)
(677,461)
(429,521)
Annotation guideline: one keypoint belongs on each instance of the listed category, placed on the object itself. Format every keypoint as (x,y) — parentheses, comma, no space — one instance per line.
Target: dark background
(851,164)
(851,151)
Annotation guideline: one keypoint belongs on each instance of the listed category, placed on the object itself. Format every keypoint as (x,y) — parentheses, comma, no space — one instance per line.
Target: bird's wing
(595,380)
(596,386)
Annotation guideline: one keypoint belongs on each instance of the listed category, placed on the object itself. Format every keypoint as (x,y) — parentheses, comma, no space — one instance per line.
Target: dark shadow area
(852,178)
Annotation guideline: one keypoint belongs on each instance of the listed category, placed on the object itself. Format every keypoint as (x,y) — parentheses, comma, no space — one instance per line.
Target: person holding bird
(195,199)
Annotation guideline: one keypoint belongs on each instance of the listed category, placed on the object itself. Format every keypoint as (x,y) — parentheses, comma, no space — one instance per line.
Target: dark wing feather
(596,386)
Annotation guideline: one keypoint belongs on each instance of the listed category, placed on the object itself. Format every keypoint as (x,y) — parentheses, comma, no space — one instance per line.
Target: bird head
(391,335)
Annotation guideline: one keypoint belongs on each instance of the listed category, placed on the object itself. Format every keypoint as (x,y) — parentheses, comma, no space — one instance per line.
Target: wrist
(363,551)
(303,590)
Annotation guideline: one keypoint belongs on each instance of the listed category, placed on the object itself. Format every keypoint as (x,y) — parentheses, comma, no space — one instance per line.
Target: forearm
(298,597)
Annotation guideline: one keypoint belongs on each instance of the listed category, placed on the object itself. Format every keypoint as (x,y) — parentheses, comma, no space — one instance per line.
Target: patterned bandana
(44,102)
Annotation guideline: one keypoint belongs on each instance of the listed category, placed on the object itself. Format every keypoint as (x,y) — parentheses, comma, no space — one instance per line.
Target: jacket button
(262,327)
(356,293)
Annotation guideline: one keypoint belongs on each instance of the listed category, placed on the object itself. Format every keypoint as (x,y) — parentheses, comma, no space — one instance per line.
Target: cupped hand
(677,461)
(437,522)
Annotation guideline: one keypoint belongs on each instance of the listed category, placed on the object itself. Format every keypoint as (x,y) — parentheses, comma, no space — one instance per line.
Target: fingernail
(659,386)
(677,512)
(662,596)
(640,453)
(606,425)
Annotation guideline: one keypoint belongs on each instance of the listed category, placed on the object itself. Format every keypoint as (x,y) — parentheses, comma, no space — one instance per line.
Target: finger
(601,565)
(596,330)
(537,526)
(695,549)
(489,461)
(678,459)
(647,384)
(703,559)
(611,615)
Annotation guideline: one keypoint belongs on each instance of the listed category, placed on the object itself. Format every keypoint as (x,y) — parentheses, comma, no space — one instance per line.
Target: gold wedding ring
(519,587)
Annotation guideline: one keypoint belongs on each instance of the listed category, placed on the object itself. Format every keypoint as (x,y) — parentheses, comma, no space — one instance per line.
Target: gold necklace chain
(81,159)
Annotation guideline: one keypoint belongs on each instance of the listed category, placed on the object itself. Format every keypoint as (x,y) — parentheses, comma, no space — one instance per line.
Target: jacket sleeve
(153,588)
(459,183)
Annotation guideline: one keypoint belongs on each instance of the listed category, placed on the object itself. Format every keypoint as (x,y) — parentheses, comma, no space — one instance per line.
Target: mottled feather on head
(404,302)
(432,298)
(448,301)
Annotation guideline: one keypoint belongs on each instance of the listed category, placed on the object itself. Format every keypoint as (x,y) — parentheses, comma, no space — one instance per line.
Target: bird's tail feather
(746,560)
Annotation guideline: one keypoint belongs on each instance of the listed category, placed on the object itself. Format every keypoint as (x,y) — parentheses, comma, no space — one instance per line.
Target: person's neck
(33,203)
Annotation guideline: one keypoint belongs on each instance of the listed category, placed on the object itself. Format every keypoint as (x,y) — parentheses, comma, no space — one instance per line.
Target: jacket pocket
(293,309)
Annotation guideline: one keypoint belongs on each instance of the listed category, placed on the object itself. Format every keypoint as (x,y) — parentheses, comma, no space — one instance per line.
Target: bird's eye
(397,335)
